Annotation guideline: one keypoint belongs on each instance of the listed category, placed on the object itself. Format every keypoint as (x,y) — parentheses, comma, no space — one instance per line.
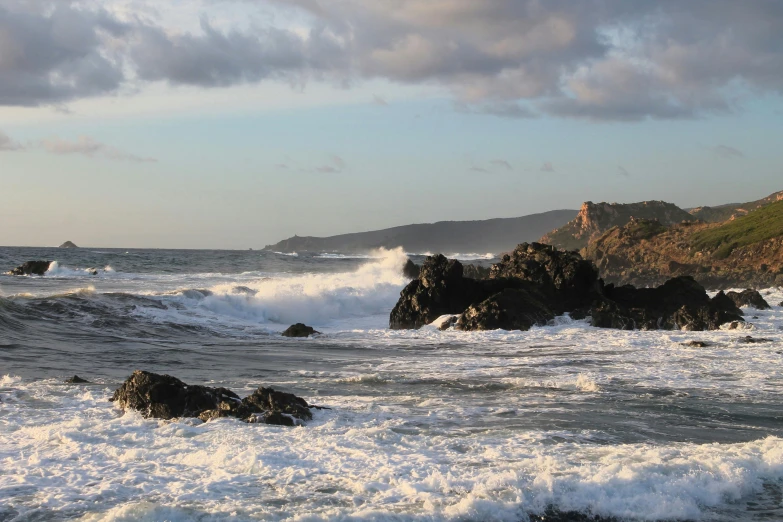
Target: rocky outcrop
(68,244)
(594,219)
(535,283)
(411,270)
(749,297)
(679,304)
(299,330)
(38,268)
(476,271)
(166,397)
(76,380)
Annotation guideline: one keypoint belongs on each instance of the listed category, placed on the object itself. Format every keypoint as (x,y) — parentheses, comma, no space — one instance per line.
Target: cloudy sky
(233,124)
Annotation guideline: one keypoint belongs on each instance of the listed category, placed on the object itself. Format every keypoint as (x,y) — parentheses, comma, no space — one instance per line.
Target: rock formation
(38,268)
(535,283)
(749,297)
(68,244)
(166,397)
(299,330)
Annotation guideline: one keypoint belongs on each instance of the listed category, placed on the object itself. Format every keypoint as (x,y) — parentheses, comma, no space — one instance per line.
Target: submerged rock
(753,340)
(751,298)
(696,344)
(166,397)
(555,515)
(38,268)
(299,330)
(76,380)
(536,282)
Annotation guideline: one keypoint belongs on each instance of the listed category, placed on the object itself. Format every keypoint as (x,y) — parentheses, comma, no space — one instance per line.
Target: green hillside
(760,225)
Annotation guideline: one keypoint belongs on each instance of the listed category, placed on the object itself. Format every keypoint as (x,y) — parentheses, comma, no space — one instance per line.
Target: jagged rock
(511,309)
(68,244)
(440,290)
(76,380)
(564,273)
(166,397)
(475,272)
(751,298)
(697,344)
(411,270)
(781,303)
(537,282)
(680,303)
(299,330)
(38,268)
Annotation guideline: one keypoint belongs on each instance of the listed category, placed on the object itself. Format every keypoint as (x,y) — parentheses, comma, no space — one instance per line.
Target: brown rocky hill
(743,251)
(596,218)
(732,210)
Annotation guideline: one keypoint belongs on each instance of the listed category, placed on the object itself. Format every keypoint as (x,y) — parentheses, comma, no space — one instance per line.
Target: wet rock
(751,298)
(555,515)
(679,304)
(411,270)
(166,397)
(511,309)
(751,340)
(299,330)
(76,380)
(697,344)
(38,268)
(734,325)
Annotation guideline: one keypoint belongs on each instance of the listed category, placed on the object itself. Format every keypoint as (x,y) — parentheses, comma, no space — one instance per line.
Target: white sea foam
(57,270)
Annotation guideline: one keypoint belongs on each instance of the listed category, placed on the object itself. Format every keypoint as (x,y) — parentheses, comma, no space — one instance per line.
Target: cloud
(726,152)
(502,164)
(7,144)
(336,164)
(592,59)
(381,102)
(622,171)
(478,169)
(547,167)
(87,146)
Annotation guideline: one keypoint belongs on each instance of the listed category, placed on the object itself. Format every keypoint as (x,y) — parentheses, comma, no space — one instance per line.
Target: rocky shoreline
(535,283)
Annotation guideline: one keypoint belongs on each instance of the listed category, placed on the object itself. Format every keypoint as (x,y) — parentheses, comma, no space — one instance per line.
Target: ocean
(424,425)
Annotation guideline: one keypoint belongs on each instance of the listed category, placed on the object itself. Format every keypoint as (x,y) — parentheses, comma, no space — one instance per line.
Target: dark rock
(781,303)
(166,397)
(451,321)
(411,270)
(751,340)
(750,298)
(679,304)
(76,380)
(476,272)
(511,309)
(38,268)
(555,515)
(68,244)
(697,344)
(734,325)
(299,330)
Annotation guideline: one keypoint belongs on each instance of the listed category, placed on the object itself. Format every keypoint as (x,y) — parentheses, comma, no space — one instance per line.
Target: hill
(492,235)
(744,251)
(596,218)
(726,212)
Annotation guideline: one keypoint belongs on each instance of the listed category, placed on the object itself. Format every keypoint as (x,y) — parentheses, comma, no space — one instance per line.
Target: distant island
(491,235)
(68,244)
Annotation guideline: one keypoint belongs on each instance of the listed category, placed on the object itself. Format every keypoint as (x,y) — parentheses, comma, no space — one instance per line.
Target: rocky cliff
(732,210)
(594,219)
(743,251)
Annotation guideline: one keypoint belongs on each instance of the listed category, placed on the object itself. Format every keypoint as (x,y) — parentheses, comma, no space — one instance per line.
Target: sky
(235,124)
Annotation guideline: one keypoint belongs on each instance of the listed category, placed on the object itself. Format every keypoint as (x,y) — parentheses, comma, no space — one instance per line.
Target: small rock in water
(76,380)
(697,344)
(411,270)
(299,330)
(751,340)
(166,397)
(38,268)
(68,244)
